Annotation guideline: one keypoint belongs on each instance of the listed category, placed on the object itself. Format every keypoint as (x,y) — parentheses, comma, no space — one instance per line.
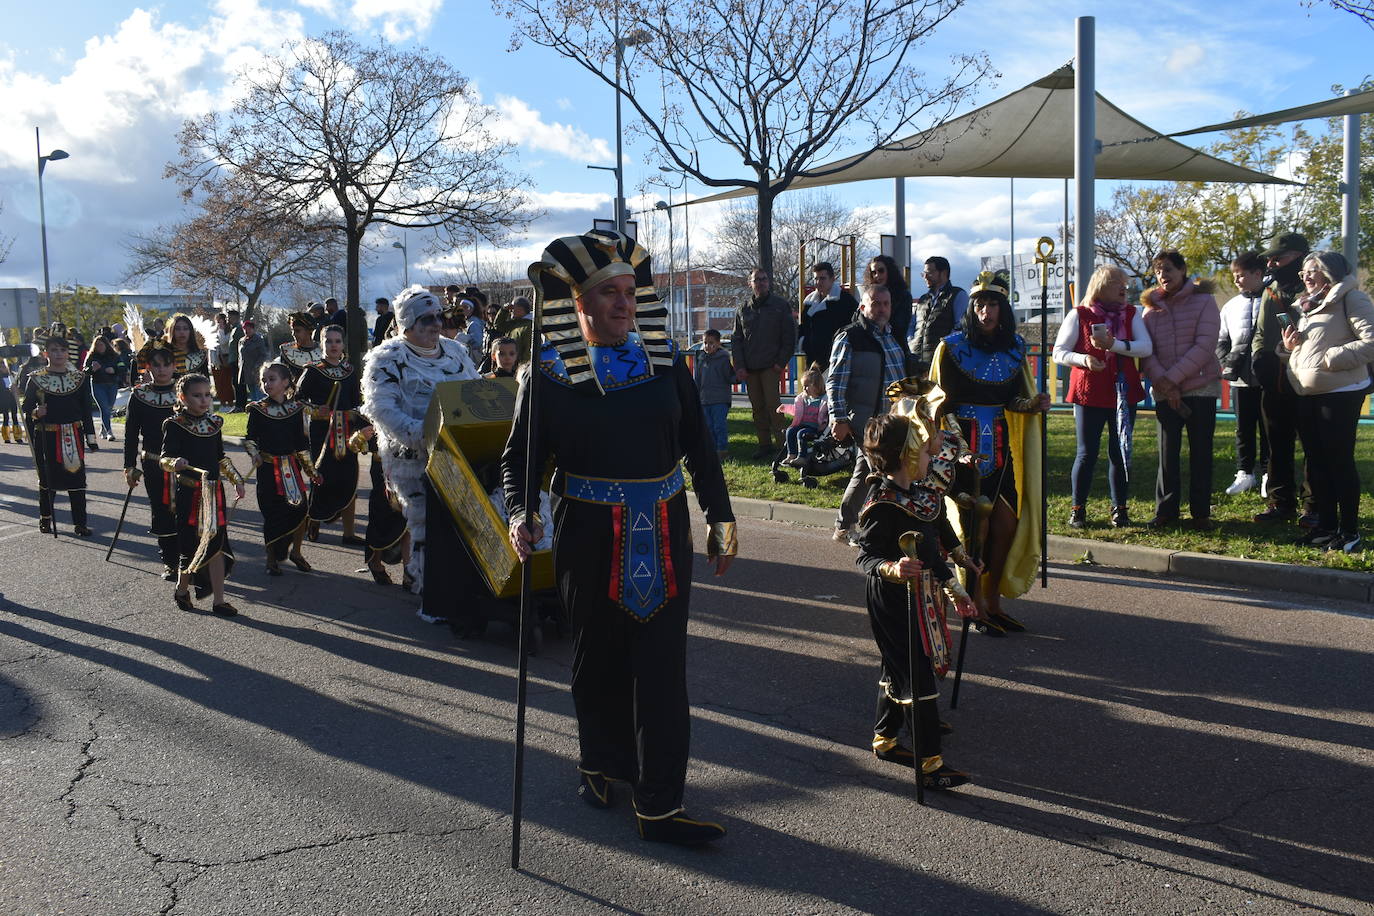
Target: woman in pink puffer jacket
(1183,320)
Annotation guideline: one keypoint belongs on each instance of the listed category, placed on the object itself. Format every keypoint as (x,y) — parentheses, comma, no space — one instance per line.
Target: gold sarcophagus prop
(465,430)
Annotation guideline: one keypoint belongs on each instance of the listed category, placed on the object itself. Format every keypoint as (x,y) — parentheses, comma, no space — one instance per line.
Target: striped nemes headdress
(576,263)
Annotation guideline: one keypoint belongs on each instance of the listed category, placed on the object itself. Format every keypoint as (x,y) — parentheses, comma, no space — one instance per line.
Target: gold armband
(226,467)
(960,555)
(307,463)
(1022,405)
(254,453)
(721,540)
(168,464)
(888,571)
(955,591)
(358,442)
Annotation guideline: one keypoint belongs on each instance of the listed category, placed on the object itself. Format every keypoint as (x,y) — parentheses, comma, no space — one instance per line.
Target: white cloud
(525,127)
(399,20)
(569,200)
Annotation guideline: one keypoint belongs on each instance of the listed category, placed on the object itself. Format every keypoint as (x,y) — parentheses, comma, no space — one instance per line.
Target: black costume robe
(149,407)
(888,514)
(276,437)
(198,440)
(332,421)
(386,522)
(629,678)
(59,440)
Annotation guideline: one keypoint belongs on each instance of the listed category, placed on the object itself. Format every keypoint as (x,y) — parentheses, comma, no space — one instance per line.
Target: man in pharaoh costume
(619,415)
(399,378)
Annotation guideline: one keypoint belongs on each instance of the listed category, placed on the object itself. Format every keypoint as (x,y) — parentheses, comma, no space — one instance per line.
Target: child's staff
(909,542)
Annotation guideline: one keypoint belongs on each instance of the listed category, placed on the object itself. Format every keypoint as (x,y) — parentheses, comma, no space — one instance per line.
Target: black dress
(386,523)
(202,517)
(60,439)
(887,515)
(622,552)
(149,407)
(277,443)
(333,420)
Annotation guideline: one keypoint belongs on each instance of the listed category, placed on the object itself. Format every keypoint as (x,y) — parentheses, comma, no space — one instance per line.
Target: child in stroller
(814,454)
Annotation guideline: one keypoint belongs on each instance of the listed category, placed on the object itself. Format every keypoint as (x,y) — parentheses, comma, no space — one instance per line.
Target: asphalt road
(1150,747)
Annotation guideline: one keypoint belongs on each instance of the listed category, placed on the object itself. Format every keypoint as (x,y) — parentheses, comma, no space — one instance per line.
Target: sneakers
(1121,518)
(1078,517)
(1244,481)
(430,618)
(1276,514)
(1264,486)
(1346,542)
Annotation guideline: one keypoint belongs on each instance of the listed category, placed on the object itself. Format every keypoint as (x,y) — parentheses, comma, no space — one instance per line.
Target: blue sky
(110,83)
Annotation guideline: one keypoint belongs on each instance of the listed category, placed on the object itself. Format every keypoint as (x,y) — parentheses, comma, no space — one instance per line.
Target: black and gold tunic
(333,394)
(60,438)
(183,361)
(201,513)
(149,407)
(297,358)
(277,444)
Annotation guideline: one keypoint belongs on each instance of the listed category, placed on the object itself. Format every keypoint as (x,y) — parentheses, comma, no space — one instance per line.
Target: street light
(43,220)
(672,268)
(405,252)
(635,38)
(687,247)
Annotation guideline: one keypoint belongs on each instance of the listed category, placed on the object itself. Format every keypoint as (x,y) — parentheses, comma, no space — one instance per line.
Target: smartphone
(1285,320)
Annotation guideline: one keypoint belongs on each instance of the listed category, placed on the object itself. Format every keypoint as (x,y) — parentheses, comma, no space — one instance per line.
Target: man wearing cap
(399,378)
(619,415)
(1279,402)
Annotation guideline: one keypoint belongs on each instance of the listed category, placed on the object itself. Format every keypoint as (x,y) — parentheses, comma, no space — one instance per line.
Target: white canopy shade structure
(1354,103)
(1028,134)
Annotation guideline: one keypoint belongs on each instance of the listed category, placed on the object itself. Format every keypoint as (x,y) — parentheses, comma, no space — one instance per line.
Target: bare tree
(783,85)
(349,137)
(1134,228)
(1364,9)
(798,218)
(230,242)
(5,241)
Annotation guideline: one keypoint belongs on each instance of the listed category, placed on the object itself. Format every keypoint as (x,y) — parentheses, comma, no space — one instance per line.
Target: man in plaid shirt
(865,359)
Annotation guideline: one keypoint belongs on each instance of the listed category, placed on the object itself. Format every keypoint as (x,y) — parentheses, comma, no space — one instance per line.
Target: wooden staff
(909,542)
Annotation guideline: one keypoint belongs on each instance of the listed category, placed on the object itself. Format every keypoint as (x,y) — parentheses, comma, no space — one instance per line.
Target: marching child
(280,450)
(151,405)
(899,450)
(57,407)
(193,451)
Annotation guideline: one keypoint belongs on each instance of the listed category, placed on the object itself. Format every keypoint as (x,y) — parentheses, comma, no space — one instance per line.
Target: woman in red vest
(1101,340)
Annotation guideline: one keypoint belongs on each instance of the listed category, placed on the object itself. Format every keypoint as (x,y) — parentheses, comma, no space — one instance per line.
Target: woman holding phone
(1101,339)
(1330,343)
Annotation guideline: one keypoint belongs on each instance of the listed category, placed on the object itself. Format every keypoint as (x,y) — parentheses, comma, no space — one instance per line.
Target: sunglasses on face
(427,320)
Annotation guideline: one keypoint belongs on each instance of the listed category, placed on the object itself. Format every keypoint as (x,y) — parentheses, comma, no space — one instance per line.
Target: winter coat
(1337,342)
(714,377)
(1238,319)
(765,334)
(1184,328)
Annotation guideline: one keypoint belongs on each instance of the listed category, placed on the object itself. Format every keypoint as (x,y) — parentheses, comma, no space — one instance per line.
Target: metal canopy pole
(900,254)
(1085,143)
(1350,192)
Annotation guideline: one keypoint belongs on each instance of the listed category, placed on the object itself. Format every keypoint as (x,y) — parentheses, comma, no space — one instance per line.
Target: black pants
(77,498)
(457,590)
(1327,424)
(1279,408)
(240,392)
(891,715)
(629,677)
(1245,401)
(1200,426)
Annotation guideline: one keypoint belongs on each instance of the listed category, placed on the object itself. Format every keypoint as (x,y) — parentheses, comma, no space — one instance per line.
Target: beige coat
(1337,341)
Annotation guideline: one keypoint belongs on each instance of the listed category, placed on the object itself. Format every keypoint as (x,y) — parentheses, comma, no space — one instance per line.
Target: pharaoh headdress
(576,263)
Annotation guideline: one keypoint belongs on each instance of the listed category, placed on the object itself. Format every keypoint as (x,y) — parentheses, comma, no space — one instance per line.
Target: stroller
(820,455)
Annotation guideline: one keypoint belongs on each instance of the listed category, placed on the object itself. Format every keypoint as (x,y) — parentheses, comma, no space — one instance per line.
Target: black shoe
(168,575)
(1308,520)
(898,755)
(1346,542)
(45,525)
(1078,517)
(183,600)
(679,830)
(1162,521)
(1121,517)
(1008,623)
(81,531)
(224,610)
(1202,524)
(988,627)
(1276,514)
(944,778)
(595,790)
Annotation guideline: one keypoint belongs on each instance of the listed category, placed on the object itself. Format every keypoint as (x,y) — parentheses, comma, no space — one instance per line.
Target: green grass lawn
(1236,533)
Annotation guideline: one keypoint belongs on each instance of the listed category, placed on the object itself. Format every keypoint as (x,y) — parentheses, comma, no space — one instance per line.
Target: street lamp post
(43,221)
(687,252)
(621,44)
(672,266)
(405,252)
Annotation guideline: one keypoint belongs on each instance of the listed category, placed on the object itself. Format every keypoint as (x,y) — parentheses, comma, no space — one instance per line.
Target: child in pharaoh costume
(57,407)
(903,538)
(277,444)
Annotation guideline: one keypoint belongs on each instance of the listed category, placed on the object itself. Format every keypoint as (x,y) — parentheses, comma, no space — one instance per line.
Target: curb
(1338,584)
